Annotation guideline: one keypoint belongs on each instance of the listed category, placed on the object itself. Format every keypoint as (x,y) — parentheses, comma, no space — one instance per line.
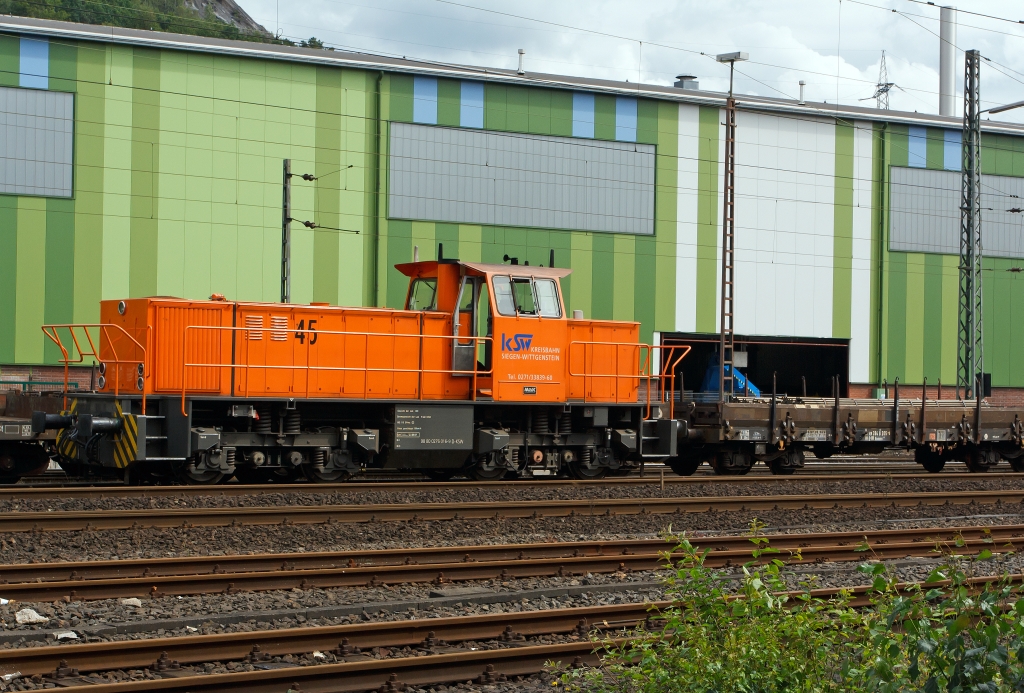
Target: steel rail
(54,491)
(370,675)
(32,582)
(535,509)
(367,674)
(190,649)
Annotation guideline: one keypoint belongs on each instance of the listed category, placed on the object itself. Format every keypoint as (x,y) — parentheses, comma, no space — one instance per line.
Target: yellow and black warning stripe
(126,441)
(66,446)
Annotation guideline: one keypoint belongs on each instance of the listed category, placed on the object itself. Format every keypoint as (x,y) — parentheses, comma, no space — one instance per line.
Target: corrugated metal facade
(35,152)
(458,175)
(177,175)
(926,212)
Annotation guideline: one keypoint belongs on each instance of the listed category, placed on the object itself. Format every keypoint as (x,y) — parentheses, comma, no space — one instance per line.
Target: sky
(833,45)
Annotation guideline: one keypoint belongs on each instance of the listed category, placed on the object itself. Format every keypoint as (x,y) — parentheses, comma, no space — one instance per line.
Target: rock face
(230,12)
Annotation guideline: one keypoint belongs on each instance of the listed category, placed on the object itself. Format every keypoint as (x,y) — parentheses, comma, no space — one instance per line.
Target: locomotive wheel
(283,475)
(685,466)
(489,474)
(252,475)
(187,473)
(1017,463)
(325,476)
(8,479)
(439,474)
(579,471)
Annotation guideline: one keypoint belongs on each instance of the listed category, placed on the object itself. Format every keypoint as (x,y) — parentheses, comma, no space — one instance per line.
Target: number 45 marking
(301,336)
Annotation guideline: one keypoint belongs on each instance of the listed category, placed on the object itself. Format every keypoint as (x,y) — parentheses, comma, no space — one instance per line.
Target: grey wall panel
(36,142)
(925,213)
(479,177)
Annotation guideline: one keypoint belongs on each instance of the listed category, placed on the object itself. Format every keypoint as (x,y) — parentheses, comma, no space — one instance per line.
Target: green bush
(948,635)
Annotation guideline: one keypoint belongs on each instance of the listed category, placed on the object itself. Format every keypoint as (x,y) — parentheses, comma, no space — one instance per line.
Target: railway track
(534,509)
(435,661)
(39,582)
(349,638)
(56,489)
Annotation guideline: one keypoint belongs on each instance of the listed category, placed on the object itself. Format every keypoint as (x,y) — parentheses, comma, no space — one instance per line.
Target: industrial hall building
(137,163)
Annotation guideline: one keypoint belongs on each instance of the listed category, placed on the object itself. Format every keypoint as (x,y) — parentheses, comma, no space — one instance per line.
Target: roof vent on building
(686,82)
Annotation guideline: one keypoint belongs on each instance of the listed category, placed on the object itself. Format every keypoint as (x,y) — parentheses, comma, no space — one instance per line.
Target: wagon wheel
(931,460)
(685,466)
(981,460)
(779,467)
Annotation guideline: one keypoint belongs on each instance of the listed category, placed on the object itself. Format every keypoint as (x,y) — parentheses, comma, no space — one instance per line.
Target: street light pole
(726,331)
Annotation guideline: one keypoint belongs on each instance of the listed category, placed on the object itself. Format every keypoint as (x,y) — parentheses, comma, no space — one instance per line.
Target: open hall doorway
(797,362)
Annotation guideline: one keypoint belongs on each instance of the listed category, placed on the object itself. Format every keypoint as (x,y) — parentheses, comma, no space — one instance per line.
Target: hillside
(215,18)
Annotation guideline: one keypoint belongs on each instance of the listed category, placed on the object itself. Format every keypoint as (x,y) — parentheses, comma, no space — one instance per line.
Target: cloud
(813,40)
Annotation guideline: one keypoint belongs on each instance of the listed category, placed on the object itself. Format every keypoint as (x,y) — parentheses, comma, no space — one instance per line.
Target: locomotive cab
(509,320)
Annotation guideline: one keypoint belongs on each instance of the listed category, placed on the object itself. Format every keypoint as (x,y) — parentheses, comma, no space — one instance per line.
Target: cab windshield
(526,296)
(422,295)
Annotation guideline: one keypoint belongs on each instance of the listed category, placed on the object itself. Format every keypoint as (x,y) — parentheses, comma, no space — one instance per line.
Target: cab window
(423,294)
(522,289)
(547,298)
(503,295)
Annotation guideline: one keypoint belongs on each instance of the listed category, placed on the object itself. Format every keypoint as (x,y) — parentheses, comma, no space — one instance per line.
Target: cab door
(529,339)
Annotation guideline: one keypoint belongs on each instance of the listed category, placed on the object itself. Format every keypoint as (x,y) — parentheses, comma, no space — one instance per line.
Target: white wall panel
(860,289)
(686,219)
(784,225)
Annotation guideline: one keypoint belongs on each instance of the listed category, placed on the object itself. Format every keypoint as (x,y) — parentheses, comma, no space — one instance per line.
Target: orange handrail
(52,333)
(475,372)
(644,368)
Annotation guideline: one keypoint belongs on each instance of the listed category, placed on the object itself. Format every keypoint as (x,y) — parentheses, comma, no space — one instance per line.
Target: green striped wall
(617,276)
(920,291)
(1002,290)
(178,183)
(177,180)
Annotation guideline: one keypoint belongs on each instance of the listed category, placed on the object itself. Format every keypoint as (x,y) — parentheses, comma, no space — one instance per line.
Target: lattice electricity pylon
(881,95)
(970,355)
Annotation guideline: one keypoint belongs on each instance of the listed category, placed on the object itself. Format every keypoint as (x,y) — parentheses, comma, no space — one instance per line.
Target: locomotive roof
(415,269)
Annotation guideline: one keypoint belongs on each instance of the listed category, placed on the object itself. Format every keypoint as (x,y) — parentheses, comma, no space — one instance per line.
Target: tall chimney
(947,61)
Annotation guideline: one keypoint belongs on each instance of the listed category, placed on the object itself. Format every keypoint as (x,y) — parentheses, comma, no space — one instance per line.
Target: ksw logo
(517,342)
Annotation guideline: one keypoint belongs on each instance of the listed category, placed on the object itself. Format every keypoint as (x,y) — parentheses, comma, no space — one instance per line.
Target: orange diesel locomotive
(481,372)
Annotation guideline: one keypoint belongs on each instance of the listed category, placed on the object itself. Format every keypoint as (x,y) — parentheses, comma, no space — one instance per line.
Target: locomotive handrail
(475,372)
(644,370)
(51,332)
